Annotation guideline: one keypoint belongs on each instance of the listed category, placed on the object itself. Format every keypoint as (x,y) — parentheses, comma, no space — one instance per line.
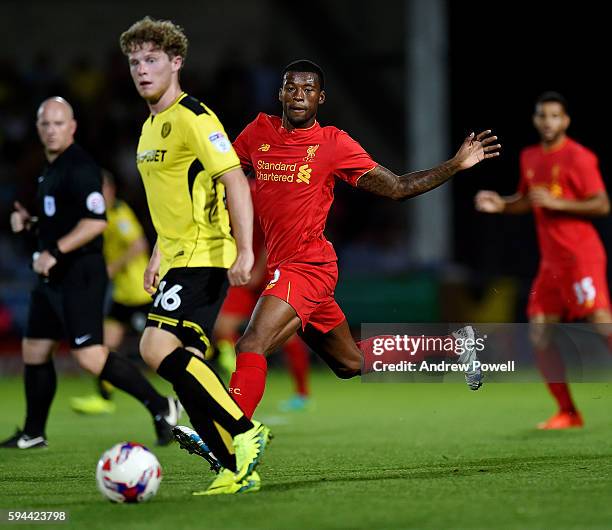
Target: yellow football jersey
(121,231)
(182,152)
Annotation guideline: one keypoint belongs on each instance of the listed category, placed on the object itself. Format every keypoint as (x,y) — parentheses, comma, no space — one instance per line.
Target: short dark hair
(552,97)
(304,65)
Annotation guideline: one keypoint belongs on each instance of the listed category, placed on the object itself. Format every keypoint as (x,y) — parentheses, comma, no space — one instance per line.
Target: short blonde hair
(163,34)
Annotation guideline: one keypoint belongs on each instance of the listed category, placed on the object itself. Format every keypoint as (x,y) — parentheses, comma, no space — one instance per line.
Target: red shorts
(309,289)
(240,301)
(572,292)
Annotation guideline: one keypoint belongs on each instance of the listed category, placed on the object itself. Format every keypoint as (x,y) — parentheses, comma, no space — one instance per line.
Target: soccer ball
(128,472)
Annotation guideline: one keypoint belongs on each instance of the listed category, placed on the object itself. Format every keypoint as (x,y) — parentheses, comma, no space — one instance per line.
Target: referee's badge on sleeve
(49,204)
(220,141)
(95,203)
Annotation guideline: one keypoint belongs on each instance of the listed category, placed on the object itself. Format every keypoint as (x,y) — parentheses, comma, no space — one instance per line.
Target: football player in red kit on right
(560,181)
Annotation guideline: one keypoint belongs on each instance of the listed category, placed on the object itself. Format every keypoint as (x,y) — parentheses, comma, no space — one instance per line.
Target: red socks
(298,361)
(248,382)
(561,393)
(552,367)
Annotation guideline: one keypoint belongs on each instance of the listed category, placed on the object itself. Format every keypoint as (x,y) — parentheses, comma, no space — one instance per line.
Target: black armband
(56,252)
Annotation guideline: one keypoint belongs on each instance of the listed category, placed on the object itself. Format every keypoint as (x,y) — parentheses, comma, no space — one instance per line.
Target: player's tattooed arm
(382,181)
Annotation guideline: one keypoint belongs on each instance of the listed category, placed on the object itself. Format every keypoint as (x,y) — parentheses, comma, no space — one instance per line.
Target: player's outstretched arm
(241,218)
(473,150)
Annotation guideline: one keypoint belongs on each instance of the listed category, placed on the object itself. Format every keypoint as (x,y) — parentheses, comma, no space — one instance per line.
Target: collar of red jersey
(282,129)
(557,148)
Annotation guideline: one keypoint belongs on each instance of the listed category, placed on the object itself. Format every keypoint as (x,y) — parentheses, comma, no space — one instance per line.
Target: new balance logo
(80,340)
(304,174)
(264,147)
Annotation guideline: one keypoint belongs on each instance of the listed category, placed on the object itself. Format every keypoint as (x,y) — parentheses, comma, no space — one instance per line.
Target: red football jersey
(570,171)
(295,174)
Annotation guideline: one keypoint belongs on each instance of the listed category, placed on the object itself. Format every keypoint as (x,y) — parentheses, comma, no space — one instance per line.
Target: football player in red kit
(560,181)
(295,162)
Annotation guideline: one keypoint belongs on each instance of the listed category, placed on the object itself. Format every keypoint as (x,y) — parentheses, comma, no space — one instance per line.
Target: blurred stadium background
(408,79)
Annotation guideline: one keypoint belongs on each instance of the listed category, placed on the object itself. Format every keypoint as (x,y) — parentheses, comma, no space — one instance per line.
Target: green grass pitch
(368,456)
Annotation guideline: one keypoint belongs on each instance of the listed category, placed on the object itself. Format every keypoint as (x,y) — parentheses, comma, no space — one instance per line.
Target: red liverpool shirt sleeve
(351,160)
(241,146)
(587,175)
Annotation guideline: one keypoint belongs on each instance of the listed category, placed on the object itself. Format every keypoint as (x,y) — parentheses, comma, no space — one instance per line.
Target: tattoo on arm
(381,181)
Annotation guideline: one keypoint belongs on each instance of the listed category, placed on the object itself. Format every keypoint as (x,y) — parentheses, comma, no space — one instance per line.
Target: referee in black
(68,298)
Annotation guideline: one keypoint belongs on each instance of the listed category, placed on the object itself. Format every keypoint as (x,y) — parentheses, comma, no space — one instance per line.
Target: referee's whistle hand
(43,263)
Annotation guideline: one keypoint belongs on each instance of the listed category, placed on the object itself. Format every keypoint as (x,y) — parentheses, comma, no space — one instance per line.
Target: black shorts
(72,307)
(187,303)
(133,317)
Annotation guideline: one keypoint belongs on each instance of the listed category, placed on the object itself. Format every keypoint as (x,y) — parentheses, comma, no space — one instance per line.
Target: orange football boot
(562,420)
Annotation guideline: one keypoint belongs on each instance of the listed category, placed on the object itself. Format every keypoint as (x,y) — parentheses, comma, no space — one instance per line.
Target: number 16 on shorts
(170,299)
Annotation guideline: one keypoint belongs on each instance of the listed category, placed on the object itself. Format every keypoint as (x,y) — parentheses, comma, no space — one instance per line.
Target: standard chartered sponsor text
(276,166)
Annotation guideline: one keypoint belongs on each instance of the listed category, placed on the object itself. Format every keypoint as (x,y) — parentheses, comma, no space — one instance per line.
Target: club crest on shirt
(166,128)
(556,189)
(49,205)
(311,152)
(220,142)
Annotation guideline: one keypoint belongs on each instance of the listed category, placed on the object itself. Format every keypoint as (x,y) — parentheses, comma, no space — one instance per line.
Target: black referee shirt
(69,189)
